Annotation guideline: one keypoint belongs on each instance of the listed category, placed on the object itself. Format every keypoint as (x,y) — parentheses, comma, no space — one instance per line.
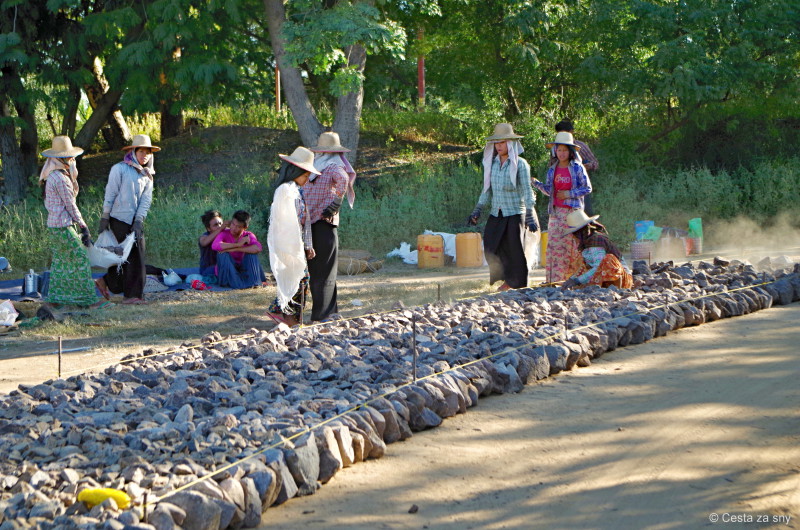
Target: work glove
(333,208)
(530,221)
(137,229)
(86,237)
(104,222)
(474,216)
(570,283)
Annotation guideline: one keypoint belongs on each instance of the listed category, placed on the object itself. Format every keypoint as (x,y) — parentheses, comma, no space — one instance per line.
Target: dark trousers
(242,276)
(323,270)
(504,250)
(587,204)
(128,279)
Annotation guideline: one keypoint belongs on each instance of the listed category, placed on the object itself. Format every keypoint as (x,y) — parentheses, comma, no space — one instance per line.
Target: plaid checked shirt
(60,202)
(321,192)
(503,195)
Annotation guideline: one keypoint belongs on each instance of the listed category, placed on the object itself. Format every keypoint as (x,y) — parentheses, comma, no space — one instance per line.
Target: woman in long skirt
(70,272)
(567,183)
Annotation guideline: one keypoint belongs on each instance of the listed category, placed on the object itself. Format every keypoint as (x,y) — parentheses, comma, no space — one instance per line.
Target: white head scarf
(323,160)
(56,164)
(514,150)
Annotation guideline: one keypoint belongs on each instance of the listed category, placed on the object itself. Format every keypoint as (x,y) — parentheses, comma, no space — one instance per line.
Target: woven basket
(642,249)
(355,254)
(352,266)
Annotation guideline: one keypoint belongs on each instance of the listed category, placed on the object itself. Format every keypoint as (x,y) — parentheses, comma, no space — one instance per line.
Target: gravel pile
(150,426)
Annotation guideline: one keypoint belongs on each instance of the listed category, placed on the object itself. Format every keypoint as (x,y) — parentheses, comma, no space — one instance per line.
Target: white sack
(104,258)
(8,314)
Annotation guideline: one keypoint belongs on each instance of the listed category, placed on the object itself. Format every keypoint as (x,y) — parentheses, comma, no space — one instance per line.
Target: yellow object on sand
(94,496)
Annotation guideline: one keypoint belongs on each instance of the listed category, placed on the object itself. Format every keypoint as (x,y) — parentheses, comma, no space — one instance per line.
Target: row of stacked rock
(291,407)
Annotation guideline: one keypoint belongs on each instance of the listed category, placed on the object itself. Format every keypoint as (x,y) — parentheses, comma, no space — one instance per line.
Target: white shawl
(287,257)
(514,150)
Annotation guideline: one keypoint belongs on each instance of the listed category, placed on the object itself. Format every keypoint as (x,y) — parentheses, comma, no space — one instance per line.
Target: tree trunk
(19,159)
(117,134)
(308,124)
(69,123)
(348,108)
(171,124)
(101,114)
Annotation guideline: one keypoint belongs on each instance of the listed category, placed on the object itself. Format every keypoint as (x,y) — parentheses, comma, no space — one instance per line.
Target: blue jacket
(580,185)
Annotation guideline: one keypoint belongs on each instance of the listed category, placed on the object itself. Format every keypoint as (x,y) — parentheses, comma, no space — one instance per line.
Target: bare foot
(103,287)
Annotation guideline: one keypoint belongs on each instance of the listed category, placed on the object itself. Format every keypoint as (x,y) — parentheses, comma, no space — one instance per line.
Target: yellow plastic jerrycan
(543,249)
(469,250)
(430,251)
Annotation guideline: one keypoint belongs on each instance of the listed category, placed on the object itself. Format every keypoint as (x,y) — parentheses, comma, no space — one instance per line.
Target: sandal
(100,283)
(100,305)
(278,318)
(134,301)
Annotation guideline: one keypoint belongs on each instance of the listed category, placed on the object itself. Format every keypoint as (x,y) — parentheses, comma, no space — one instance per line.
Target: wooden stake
(414,346)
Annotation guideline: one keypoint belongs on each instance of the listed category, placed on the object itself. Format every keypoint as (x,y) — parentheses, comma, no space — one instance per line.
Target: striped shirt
(62,211)
(504,196)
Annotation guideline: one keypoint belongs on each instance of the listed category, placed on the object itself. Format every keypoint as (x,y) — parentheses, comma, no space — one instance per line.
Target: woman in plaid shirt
(324,195)
(507,187)
(70,271)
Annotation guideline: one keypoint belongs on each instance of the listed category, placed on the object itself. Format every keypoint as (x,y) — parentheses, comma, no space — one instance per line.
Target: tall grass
(405,204)
(671,198)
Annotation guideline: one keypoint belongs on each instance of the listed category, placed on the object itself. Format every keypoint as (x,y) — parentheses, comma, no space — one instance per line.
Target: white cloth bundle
(287,257)
(100,256)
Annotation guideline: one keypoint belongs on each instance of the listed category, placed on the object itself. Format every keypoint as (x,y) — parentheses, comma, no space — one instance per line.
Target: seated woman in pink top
(237,250)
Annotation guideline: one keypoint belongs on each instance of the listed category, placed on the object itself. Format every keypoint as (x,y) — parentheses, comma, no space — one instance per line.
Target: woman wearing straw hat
(566,184)
(323,196)
(129,193)
(603,263)
(289,236)
(507,187)
(70,271)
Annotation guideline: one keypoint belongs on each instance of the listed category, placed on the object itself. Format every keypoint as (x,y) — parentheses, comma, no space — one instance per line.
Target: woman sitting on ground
(214,224)
(603,263)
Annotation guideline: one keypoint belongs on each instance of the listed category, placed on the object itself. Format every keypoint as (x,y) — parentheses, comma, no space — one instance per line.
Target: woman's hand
(310,253)
(563,194)
(570,283)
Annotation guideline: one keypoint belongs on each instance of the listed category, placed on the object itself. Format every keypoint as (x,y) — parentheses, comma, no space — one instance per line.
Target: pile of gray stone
(214,434)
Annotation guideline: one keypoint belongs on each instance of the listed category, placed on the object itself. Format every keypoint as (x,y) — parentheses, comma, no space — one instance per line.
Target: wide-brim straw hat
(564,138)
(577,219)
(302,158)
(141,140)
(502,132)
(62,148)
(328,142)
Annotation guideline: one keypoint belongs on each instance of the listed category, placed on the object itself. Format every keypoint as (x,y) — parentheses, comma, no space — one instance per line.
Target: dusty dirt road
(698,425)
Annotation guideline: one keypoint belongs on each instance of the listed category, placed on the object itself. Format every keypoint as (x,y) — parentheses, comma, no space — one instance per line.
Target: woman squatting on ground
(289,237)
(70,271)
(602,262)
(507,187)
(129,193)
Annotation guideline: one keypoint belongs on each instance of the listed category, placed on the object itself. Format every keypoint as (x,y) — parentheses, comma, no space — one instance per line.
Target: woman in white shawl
(289,237)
